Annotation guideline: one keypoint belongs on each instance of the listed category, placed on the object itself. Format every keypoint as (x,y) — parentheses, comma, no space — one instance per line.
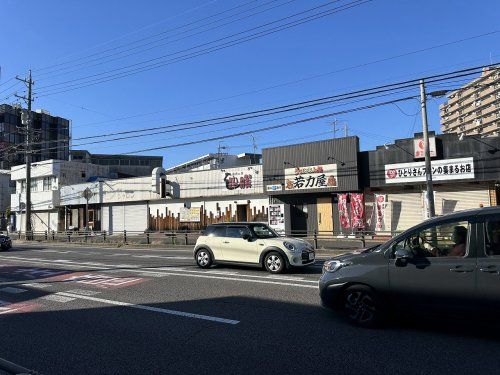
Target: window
(23,186)
(34,186)
(215,231)
(237,232)
(445,240)
(492,237)
(48,183)
(263,231)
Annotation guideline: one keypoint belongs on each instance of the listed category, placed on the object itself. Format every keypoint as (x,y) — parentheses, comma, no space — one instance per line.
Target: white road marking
(37,285)
(83,292)
(58,298)
(12,290)
(190,273)
(151,308)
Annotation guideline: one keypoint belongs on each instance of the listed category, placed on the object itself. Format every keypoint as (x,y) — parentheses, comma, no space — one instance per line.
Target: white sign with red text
(419,148)
(442,170)
(311,177)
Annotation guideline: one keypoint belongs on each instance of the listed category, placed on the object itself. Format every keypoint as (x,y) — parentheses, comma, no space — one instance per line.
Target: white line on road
(58,298)
(185,273)
(151,308)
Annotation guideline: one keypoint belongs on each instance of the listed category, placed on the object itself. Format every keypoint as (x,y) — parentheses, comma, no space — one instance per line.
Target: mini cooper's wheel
(274,262)
(362,306)
(203,258)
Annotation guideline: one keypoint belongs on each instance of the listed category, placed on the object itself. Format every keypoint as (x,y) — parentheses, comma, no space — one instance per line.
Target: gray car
(449,264)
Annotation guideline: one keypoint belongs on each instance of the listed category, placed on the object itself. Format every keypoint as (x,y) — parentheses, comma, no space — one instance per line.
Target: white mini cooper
(251,244)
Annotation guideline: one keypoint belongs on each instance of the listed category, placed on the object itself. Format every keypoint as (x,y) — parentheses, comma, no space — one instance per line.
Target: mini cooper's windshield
(263,231)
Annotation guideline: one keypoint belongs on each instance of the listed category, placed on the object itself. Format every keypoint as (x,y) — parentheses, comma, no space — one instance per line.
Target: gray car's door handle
(225,241)
(491,269)
(461,269)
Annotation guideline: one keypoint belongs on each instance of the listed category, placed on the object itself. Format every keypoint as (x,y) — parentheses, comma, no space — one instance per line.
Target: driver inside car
(458,237)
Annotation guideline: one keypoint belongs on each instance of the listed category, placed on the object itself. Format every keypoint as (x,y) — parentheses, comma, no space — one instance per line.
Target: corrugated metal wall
(310,154)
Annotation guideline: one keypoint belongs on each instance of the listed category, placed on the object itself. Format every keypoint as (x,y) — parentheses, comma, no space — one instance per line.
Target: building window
(48,183)
(23,186)
(34,186)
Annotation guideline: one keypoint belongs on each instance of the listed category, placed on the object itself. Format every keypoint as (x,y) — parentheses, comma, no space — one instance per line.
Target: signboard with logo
(239,180)
(311,177)
(190,215)
(419,147)
(275,187)
(442,170)
(277,217)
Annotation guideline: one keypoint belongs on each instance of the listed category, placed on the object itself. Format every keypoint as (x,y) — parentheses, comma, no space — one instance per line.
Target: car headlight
(334,265)
(289,246)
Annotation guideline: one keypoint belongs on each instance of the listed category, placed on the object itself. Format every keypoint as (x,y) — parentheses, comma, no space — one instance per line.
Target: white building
(216,161)
(47,179)
(168,201)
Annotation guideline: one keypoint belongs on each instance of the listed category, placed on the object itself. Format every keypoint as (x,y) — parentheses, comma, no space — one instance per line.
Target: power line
(197,53)
(166,43)
(294,106)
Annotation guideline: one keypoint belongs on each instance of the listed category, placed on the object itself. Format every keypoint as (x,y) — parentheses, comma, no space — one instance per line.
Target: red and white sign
(343,214)
(419,147)
(380,202)
(357,210)
(311,177)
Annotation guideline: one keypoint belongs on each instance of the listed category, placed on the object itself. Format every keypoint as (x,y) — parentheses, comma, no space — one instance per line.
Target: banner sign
(419,147)
(442,170)
(357,210)
(343,214)
(380,202)
(277,217)
(190,215)
(312,177)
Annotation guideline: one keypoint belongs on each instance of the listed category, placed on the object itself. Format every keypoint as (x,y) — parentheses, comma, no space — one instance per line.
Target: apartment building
(51,136)
(474,109)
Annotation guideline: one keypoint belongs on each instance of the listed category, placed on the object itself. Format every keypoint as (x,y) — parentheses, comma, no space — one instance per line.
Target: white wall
(211,183)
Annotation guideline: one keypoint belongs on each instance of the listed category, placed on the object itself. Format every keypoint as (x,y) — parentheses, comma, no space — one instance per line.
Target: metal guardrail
(184,237)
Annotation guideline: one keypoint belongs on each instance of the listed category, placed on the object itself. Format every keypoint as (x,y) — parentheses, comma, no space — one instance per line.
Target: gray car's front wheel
(203,258)
(362,306)
(274,262)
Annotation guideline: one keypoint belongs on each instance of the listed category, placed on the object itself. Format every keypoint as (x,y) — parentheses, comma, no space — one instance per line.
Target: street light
(338,161)
(387,146)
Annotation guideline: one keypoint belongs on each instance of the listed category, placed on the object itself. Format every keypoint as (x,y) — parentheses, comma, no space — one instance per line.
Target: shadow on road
(272,337)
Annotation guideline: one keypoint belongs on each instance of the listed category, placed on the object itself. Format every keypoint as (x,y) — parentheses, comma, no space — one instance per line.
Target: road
(84,310)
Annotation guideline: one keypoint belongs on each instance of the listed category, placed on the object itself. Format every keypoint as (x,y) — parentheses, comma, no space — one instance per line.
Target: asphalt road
(83,310)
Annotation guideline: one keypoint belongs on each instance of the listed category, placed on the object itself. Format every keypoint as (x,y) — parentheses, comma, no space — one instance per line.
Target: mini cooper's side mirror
(402,257)
(247,237)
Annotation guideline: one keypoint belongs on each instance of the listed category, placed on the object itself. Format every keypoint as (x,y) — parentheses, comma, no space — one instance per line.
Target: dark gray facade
(484,151)
(340,151)
(51,136)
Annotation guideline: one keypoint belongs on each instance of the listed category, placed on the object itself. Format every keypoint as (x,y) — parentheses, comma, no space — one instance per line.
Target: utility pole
(345,129)
(254,144)
(219,154)
(428,170)
(334,123)
(27,122)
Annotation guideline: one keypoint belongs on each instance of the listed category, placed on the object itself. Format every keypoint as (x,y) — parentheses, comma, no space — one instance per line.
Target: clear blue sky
(36,34)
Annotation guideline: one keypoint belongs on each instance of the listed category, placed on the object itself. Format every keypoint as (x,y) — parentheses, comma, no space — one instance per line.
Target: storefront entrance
(325,215)
(298,215)
(242,212)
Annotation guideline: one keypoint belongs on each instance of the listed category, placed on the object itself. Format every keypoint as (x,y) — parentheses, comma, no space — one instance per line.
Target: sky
(348,50)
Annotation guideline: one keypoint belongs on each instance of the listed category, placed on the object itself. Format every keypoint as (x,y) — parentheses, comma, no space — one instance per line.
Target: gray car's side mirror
(403,256)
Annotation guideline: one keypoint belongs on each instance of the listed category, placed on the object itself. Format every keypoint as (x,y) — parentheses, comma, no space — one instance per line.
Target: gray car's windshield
(263,231)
